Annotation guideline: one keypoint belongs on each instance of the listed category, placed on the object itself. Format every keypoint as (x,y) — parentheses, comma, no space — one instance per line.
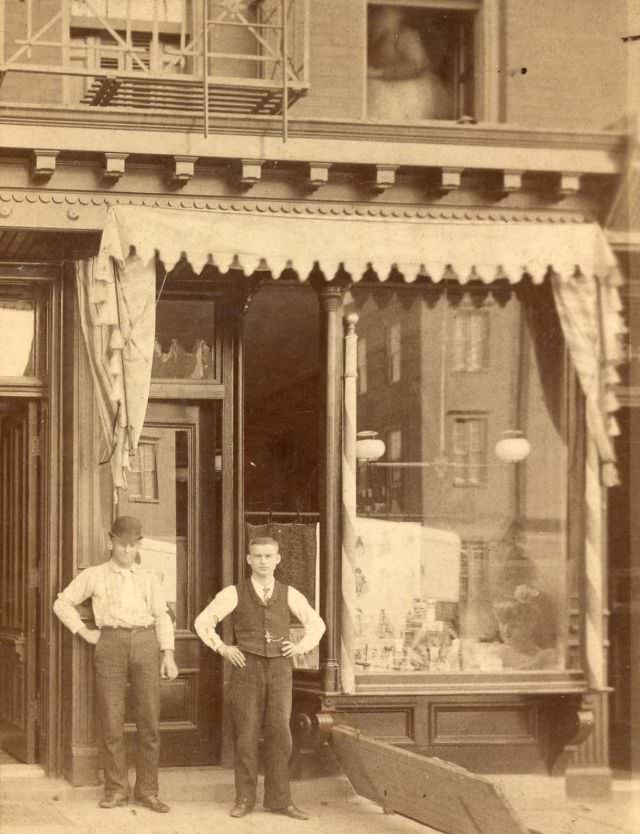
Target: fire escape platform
(246,96)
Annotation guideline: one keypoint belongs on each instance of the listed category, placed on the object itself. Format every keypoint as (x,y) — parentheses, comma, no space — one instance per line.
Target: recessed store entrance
(28,502)
(173,489)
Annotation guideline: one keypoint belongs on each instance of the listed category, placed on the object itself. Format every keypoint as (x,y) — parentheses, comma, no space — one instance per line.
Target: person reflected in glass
(402,82)
(521,629)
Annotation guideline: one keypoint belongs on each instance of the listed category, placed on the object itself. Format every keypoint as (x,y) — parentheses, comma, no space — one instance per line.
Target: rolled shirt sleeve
(223,604)
(79,590)
(314,626)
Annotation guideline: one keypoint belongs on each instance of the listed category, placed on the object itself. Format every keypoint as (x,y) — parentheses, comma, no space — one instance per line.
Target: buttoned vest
(259,626)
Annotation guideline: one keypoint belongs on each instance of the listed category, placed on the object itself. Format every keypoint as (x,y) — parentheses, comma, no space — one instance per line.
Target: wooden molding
(48,208)
(114,166)
(44,164)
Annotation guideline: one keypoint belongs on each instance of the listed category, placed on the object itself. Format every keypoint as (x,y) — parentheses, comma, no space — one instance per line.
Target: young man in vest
(261,673)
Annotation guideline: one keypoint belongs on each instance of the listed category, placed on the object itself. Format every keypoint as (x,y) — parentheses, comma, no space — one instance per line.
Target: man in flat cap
(134,643)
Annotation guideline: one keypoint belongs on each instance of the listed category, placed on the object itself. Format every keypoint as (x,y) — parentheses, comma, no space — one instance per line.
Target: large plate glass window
(461,563)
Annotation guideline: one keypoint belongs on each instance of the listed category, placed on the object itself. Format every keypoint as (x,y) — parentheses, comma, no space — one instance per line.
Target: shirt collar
(123,571)
(260,589)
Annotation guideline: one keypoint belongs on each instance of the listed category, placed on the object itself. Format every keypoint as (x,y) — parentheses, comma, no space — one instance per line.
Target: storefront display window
(461,558)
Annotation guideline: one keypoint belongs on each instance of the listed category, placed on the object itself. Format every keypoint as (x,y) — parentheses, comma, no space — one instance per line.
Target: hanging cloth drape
(117,317)
(589,309)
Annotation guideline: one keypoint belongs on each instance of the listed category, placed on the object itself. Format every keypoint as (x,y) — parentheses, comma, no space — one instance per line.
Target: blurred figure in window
(402,81)
(521,625)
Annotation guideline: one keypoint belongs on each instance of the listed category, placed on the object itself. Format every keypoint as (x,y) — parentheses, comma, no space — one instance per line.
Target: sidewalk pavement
(200,800)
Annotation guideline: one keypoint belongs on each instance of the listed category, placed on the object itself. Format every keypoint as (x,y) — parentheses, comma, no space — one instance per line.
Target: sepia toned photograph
(319,411)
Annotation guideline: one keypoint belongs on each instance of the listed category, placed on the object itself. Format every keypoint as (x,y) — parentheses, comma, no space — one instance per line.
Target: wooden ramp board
(436,793)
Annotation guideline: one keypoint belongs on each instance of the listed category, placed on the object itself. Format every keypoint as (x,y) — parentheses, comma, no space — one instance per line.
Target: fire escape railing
(195,56)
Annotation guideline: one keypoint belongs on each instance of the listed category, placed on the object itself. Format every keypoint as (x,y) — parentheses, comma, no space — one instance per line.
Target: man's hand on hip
(91,635)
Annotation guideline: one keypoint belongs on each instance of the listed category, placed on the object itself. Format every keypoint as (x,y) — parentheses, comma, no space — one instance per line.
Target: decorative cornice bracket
(114,166)
(450,180)
(44,164)
(385,178)
(318,175)
(511,182)
(569,184)
(183,169)
(250,171)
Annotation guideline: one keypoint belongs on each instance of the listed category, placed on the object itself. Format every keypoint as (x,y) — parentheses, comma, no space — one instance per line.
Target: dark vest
(259,626)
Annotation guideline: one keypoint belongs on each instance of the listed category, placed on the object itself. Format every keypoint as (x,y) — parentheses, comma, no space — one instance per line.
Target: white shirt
(226,601)
(119,597)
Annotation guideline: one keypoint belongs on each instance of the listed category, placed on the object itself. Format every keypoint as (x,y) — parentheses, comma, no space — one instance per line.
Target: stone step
(214,784)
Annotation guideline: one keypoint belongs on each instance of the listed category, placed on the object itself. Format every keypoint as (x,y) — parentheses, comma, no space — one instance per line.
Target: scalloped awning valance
(117,289)
(460,249)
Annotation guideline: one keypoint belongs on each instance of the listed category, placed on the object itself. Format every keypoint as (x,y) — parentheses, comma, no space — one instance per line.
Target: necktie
(266,594)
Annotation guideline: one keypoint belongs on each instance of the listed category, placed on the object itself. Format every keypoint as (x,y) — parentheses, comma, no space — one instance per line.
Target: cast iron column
(330,297)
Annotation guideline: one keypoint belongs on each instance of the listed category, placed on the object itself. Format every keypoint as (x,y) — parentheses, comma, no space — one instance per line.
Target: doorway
(20,554)
(173,487)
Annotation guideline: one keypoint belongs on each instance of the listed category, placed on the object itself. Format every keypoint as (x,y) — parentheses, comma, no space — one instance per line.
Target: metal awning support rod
(285,80)
(205,65)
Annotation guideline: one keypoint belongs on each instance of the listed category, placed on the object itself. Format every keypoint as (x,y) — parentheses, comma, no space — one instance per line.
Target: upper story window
(420,59)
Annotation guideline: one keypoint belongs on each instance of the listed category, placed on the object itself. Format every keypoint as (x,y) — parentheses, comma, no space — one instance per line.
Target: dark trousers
(261,702)
(123,655)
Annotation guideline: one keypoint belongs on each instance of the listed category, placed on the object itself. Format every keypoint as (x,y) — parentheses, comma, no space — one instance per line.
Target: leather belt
(132,629)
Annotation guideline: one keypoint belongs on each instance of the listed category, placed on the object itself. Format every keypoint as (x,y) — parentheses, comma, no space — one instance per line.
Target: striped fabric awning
(574,256)
(461,249)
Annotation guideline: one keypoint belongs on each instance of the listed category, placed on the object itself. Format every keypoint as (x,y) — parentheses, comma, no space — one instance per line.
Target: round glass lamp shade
(369,446)
(512,447)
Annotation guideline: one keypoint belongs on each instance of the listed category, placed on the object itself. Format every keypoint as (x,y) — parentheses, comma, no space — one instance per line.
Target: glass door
(172,488)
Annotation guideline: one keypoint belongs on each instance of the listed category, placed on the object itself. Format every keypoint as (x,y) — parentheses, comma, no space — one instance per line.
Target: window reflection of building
(143,477)
(470,340)
(394,352)
(469,451)
(510,529)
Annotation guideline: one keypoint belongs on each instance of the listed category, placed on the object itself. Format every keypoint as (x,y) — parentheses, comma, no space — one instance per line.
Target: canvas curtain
(117,317)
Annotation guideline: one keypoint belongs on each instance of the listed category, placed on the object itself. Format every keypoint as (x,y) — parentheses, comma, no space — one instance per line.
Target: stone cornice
(310,140)
(85,211)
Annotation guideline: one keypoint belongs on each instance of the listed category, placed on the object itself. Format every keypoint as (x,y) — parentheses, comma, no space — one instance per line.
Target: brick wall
(575,60)
(337,61)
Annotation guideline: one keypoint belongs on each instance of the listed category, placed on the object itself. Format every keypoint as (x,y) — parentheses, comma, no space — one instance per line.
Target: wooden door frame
(26,277)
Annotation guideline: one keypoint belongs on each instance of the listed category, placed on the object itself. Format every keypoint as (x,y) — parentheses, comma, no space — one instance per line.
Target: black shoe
(241,808)
(290,811)
(113,800)
(153,804)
